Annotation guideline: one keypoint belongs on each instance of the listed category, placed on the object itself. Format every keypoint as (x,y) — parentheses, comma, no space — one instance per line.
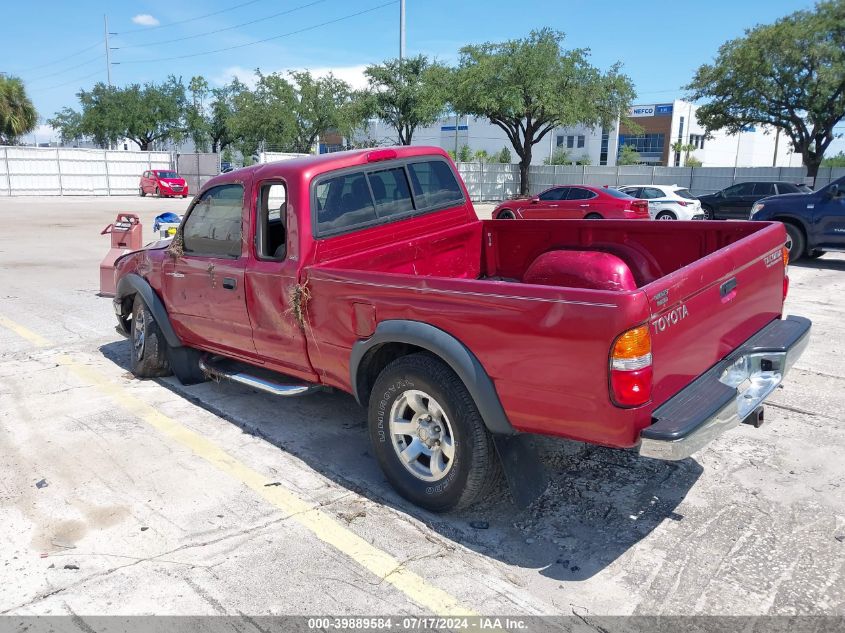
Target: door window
(272,215)
(558,193)
(764,189)
(650,193)
(214,225)
(742,189)
(634,192)
(577,193)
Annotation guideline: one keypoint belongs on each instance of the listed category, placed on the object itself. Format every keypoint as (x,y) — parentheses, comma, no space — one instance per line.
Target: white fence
(494,181)
(66,171)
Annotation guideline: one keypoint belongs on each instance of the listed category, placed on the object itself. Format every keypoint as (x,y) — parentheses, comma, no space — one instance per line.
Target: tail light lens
(640,206)
(682,203)
(630,368)
(785,271)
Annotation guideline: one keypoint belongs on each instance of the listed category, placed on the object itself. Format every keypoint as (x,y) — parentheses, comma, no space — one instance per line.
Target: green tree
(17,113)
(692,161)
(683,148)
(407,94)
(530,86)
(321,105)
(628,155)
(584,161)
(559,157)
(464,154)
(263,115)
(789,75)
(504,156)
(208,115)
(481,156)
(837,160)
(144,114)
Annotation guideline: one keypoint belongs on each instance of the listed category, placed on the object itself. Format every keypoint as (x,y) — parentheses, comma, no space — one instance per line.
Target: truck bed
(546,346)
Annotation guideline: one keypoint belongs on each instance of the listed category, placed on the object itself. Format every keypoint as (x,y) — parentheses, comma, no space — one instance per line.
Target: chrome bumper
(727,393)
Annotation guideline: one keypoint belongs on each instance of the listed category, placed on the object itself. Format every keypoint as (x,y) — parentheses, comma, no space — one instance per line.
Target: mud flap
(527,479)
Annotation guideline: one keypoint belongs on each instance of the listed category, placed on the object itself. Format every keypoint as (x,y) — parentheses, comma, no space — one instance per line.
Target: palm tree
(17,114)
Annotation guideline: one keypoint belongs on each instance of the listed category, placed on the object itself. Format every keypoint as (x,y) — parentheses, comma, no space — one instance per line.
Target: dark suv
(734,202)
(815,222)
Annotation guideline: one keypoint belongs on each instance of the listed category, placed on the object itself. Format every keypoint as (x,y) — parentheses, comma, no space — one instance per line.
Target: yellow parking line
(324,527)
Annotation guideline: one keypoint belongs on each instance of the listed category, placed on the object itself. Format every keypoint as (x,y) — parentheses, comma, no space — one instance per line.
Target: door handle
(229,283)
(176,275)
(584,205)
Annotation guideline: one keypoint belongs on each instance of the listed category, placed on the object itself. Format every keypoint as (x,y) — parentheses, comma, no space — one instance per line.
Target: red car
(574,202)
(162,182)
(369,271)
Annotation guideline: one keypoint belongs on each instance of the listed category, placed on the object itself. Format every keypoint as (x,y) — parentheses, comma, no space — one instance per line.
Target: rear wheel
(795,242)
(506,214)
(149,349)
(428,435)
(158,193)
(592,216)
(666,215)
(141,192)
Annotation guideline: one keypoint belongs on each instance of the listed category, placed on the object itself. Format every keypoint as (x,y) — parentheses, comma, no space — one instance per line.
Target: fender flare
(135,284)
(454,353)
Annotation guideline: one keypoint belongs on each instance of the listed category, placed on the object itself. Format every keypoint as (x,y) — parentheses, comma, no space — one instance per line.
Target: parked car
(735,202)
(369,271)
(162,182)
(574,202)
(667,202)
(815,222)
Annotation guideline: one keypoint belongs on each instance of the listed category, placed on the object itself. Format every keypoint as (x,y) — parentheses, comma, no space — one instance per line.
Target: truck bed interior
(585,253)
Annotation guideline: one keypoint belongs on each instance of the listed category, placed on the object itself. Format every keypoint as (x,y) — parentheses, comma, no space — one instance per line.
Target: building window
(570,142)
(649,146)
(581,141)
(560,141)
(605,141)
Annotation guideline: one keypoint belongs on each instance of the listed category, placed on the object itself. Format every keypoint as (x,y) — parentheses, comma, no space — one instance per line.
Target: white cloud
(145,19)
(353,75)
(42,134)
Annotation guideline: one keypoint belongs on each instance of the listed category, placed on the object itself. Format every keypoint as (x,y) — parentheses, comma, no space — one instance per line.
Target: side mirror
(535,199)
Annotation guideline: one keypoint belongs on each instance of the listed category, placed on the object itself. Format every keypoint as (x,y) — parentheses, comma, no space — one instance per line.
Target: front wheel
(795,242)
(149,349)
(708,212)
(592,216)
(141,192)
(428,435)
(506,214)
(665,215)
(158,193)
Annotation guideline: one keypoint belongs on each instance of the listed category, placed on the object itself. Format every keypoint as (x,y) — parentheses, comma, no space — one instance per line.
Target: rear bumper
(727,393)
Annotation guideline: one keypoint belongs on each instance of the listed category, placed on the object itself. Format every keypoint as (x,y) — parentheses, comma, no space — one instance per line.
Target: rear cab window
(380,193)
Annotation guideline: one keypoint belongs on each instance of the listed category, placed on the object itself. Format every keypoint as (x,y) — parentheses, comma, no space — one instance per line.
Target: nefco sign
(663,109)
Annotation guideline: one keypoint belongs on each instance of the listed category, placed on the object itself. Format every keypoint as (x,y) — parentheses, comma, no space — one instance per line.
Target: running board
(266,381)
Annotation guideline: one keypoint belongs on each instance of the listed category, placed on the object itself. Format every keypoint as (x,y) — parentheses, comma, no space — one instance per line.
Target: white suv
(667,202)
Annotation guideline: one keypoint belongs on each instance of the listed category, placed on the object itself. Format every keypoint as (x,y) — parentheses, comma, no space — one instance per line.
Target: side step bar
(231,370)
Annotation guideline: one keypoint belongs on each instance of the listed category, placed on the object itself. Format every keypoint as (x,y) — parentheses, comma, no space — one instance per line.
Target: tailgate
(703,311)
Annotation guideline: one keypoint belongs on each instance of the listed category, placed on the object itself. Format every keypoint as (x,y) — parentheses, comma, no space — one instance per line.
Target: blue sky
(660,42)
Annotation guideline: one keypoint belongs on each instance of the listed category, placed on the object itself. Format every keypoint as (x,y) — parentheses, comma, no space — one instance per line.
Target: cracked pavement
(131,522)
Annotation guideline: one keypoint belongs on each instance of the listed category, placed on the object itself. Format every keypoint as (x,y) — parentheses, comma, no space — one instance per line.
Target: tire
(592,216)
(158,193)
(141,192)
(795,242)
(665,215)
(148,347)
(708,212)
(438,411)
(185,196)
(506,214)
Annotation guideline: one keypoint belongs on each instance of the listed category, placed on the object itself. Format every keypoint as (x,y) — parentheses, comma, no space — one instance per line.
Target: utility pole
(108,52)
(401,30)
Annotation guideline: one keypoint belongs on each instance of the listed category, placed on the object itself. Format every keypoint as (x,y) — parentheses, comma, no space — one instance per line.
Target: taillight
(682,203)
(640,206)
(630,368)
(785,271)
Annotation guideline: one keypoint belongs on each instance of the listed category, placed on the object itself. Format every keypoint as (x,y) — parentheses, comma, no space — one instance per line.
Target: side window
(650,193)
(632,191)
(390,192)
(272,215)
(434,184)
(577,193)
(558,193)
(213,227)
(764,189)
(344,201)
(742,189)
(785,187)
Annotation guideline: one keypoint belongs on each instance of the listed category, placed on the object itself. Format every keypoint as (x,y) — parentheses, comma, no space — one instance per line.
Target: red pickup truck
(369,272)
